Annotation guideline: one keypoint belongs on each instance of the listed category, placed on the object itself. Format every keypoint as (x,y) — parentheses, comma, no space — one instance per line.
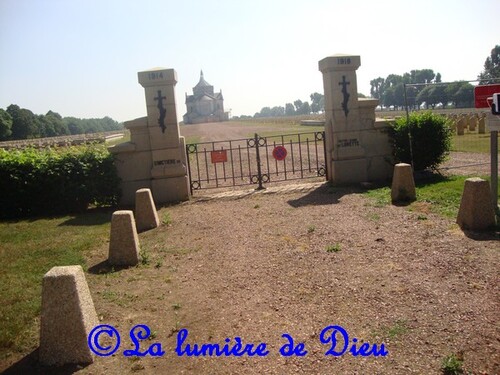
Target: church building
(204,105)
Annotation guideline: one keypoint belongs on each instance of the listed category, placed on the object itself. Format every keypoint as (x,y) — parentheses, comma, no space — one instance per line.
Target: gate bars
(256,161)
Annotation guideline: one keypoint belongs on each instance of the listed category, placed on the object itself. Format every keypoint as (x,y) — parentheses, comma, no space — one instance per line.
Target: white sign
(493,122)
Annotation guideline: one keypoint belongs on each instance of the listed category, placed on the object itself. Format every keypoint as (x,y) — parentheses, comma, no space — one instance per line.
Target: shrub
(431,140)
(46,182)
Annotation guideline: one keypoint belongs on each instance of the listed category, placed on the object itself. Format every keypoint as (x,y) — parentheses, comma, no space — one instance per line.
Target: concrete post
(68,316)
(357,146)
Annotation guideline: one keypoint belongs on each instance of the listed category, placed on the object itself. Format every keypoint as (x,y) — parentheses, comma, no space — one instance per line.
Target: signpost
(482,93)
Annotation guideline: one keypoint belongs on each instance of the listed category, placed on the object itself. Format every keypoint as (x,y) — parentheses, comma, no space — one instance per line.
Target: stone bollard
(403,185)
(123,241)
(68,316)
(146,216)
(476,207)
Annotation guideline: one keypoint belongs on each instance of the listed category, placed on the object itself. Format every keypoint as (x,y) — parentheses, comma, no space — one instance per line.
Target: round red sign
(279,153)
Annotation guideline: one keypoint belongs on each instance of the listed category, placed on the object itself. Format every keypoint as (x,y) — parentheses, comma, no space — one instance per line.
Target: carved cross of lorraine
(344,84)
(163,111)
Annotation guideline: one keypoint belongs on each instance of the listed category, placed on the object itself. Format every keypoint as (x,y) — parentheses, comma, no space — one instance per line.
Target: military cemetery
(351,235)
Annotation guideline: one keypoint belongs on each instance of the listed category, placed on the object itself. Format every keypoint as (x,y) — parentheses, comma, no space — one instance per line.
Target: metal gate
(256,161)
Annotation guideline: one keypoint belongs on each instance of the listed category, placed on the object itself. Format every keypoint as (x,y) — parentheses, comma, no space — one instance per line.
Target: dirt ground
(296,260)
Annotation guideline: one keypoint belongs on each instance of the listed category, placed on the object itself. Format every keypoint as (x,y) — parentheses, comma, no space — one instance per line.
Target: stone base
(145,211)
(476,207)
(345,172)
(171,190)
(68,316)
(403,184)
(123,241)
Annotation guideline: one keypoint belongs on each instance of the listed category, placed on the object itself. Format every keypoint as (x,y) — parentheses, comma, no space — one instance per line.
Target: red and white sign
(219,156)
(482,93)
(279,153)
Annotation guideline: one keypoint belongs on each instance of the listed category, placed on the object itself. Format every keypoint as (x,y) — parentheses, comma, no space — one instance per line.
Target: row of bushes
(41,182)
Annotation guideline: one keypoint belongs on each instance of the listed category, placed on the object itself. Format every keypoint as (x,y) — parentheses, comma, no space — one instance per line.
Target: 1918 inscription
(344,60)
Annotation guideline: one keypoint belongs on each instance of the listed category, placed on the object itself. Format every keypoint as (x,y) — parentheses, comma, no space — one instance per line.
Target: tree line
(20,123)
(298,107)
(423,87)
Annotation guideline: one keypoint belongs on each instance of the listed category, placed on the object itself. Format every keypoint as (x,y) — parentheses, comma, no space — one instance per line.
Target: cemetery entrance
(256,161)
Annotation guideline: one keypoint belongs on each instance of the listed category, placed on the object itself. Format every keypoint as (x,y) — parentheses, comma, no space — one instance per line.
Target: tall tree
(491,66)
(289,109)
(277,111)
(5,125)
(298,103)
(58,125)
(377,88)
(317,102)
(24,123)
(305,109)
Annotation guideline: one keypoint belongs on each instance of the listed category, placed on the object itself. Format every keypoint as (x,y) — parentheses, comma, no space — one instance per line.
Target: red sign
(219,156)
(279,153)
(481,93)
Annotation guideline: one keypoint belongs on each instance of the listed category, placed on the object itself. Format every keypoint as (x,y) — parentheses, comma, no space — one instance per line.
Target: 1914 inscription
(155,75)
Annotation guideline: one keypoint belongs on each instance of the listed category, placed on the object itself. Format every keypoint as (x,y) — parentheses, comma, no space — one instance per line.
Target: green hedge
(431,140)
(47,182)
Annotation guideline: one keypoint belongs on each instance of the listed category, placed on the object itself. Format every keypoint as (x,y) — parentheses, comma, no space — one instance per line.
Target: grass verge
(438,194)
(30,248)
(471,142)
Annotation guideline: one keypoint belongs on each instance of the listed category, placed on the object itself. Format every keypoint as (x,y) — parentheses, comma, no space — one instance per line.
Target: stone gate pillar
(357,146)
(155,157)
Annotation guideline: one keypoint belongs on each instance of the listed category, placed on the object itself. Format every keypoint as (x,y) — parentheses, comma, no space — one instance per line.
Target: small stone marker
(145,210)
(472,123)
(403,185)
(123,242)
(476,207)
(461,126)
(481,125)
(68,316)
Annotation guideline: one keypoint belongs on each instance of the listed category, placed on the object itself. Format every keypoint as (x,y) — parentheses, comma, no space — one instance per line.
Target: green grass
(452,365)
(441,194)
(166,219)
(397,329)
(333,248)
(471,142)
(29,249)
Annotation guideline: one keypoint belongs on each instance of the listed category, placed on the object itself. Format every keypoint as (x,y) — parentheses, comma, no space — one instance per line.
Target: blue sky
(81,57)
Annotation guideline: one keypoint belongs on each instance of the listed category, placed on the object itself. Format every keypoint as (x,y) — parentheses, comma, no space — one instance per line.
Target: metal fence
(256,161)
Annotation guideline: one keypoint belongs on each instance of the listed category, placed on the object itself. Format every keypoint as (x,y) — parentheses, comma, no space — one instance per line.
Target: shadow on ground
(91,217)
(104,267)
(323,195)
(30,365)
